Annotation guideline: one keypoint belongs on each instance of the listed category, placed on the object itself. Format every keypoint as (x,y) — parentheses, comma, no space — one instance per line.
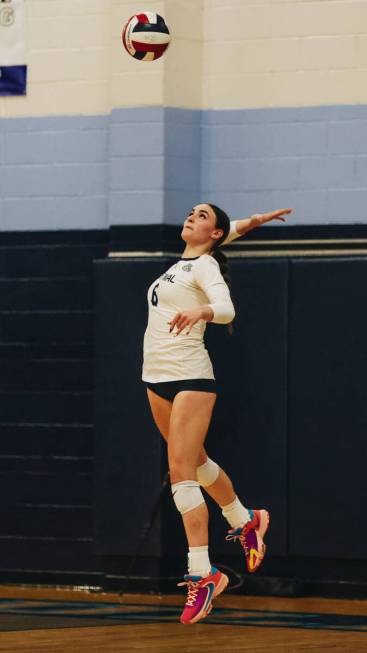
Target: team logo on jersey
(187,267)
(6,15)
(168,277)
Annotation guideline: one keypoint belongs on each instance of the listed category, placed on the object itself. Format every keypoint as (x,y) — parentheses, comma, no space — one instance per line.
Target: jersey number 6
(154,299)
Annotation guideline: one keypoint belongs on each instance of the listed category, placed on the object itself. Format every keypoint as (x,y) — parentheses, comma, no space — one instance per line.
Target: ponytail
(223,222)
(222,260)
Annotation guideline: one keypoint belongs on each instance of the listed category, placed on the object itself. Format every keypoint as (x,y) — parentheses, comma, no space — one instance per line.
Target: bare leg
(221,491)
(190,418)
(183,466)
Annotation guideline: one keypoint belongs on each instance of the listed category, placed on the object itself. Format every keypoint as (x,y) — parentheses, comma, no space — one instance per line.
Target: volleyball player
(182,392)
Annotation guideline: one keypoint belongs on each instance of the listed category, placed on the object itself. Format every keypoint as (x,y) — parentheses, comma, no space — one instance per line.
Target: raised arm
(243,226)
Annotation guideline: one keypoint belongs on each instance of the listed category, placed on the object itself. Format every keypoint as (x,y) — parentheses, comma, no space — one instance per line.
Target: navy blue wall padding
(290,422)
(249,431)
(328,407)
(248,435)
(47,401)
(127,447)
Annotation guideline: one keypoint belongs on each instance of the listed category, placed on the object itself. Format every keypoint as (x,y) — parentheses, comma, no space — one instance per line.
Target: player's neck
(192,251)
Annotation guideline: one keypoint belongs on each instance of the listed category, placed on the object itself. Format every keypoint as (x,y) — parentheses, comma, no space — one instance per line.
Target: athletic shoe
(251,538)
(200,594)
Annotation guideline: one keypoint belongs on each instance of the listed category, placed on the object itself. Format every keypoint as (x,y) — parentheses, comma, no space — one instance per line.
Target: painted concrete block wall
(256,104)
(77,64)
(54,141)
(175,80)
(68,45)
(155,161)
(312,159)
(280,53)
(95,142)
(54,173)
(136,166)
(154,164)
(182,163)
(262,62)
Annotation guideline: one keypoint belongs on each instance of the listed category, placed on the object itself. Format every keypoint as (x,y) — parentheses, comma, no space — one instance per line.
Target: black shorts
(169,389)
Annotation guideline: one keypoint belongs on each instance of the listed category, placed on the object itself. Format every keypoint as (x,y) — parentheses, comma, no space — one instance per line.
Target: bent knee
(207,473)
(187,496)
(181,469)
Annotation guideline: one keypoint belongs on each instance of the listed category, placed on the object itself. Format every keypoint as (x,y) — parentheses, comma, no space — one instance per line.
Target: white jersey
(187,284)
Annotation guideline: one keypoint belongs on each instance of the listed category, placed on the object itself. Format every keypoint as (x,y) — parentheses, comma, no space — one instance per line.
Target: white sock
(236,514)
(198,561)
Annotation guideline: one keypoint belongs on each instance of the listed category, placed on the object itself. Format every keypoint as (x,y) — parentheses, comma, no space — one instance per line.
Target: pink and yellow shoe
(200,594)
(251,538)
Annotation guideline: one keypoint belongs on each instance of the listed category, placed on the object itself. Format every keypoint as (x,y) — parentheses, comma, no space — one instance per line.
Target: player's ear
(217,234)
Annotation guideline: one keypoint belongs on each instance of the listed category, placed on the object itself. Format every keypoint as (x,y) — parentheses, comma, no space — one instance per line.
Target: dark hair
(222,222)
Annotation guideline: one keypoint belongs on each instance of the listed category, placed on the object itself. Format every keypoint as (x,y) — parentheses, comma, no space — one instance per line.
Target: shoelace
(232,537)
(192,591)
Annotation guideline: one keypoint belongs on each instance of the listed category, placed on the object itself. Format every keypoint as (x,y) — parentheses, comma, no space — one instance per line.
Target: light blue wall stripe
(154,164)
(312,159)
(136,166)
(64,146)
(151,164)
(182,163)
(54,173)
(285,114)
(53,213)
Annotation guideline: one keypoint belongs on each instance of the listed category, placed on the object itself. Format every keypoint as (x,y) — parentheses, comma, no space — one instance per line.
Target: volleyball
(146,36)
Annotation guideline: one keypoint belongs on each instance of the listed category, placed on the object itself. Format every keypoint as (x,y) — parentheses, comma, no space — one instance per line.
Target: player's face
(199,227)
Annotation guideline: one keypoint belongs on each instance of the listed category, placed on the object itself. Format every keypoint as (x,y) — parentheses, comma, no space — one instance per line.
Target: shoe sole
(221,586)
(264,525)
(263,528)
(218,590)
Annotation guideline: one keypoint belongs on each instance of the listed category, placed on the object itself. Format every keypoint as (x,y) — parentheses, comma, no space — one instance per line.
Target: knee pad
(208,473)
(187,496)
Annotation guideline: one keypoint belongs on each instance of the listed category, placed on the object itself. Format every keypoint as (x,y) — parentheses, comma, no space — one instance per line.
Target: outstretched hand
(262,218)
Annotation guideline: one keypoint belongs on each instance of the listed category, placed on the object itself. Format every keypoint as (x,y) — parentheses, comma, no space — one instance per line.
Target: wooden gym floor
(35,620)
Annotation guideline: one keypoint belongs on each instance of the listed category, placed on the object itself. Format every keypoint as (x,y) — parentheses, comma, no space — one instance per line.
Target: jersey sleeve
(233,233)
(208,277)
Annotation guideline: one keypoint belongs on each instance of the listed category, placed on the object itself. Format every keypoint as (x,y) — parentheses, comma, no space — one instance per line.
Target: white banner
(13,69)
